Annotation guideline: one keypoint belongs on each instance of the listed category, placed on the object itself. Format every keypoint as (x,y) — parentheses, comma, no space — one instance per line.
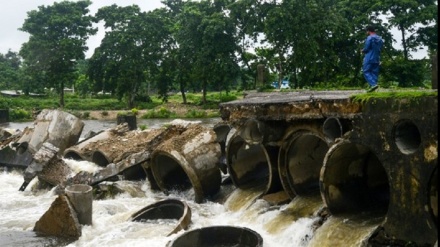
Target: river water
(292,224)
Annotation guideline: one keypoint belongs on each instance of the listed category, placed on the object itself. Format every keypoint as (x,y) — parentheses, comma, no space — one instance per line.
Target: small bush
(161,113)
(19,114)
(143,127)
(195,114)
(86,115)
(126,113)
(104,113)
(135,111)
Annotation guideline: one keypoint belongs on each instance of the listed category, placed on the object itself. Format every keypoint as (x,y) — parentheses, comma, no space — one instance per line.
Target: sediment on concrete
(379,155)
(188,161)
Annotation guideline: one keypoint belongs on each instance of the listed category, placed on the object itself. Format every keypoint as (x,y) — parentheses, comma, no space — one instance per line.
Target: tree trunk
(405,48)
(62,94)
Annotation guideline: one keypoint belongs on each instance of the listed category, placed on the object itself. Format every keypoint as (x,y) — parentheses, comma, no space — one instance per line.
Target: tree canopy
(58,35)
(217,45)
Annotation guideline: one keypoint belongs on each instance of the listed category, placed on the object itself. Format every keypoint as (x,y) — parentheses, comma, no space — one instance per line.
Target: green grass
(162,112)
(408,93)
(22,108)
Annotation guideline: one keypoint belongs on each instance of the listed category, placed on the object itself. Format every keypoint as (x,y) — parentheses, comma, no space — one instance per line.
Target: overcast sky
(14,12)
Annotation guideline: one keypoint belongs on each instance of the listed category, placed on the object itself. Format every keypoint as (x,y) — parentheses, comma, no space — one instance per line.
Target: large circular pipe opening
(253,131)
(304,157)
(166,209)
(332,128)
(253,165)
(169,174)
(353,180)
(73,155)
(433,195)
(224,236)
(407,136)
(100,159)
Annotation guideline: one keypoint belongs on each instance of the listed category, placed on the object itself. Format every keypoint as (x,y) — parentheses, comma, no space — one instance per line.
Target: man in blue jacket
(370,67)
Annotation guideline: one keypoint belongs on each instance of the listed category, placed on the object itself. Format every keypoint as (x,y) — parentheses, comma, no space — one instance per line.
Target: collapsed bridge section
(379,155)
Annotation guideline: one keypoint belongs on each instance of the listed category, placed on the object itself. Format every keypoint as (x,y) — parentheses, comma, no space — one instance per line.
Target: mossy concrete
(401,133)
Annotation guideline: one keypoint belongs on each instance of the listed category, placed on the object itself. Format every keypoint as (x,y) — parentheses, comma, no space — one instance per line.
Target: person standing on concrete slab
(370,67)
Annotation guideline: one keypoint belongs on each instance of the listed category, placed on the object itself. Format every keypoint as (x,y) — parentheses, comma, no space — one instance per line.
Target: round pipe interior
(169,174)
(332,128)
(169,210)
(100,159)
(252,131)
(407,136)
(247,164)
(73,155)
(305,156)
(218,236)
(354,180)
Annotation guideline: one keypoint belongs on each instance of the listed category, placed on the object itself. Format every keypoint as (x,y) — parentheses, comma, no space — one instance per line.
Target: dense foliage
(218,45)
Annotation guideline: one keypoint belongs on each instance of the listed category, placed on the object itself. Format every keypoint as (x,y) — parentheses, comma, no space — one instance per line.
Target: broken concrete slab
(61,129)
(48,166)
(60,220)
(11,154)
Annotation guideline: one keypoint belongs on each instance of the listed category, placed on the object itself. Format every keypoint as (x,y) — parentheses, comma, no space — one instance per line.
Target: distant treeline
(217,45)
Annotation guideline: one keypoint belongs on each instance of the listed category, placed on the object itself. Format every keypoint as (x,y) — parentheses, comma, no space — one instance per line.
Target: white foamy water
(111,224)
(289,225)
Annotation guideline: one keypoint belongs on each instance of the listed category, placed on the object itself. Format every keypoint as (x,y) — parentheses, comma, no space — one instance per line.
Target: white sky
(14,12)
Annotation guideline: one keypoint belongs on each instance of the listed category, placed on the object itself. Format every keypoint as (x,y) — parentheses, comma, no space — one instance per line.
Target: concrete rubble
(121,153)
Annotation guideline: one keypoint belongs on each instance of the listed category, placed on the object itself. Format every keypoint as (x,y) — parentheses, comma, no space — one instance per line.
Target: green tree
(205,33)
(10,64)
(58,35)
(415,19)
(248,17)
(130,52)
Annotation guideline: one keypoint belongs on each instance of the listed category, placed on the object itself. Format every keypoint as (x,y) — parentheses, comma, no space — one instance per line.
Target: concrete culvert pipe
(166,209)
(222,131)
(407,136)
(300,163)
(188,161)
(333,128)
(100,158)
(353,180)
(224,236)
(253,165)
(433,195)
(258,132)
(81,151)
(81,198)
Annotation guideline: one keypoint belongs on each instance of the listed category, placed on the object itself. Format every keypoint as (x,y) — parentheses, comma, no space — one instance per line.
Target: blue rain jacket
(372,47)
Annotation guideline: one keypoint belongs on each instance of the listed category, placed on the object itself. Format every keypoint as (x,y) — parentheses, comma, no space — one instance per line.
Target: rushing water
(292,224)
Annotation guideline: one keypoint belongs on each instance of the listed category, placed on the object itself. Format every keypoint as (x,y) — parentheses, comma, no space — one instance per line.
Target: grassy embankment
(23,108)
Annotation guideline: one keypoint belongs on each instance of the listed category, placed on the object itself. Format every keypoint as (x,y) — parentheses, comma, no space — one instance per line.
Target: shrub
(161,113)
(19,115)
(195,114)
(143,127)
(135,111)
(86,115)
